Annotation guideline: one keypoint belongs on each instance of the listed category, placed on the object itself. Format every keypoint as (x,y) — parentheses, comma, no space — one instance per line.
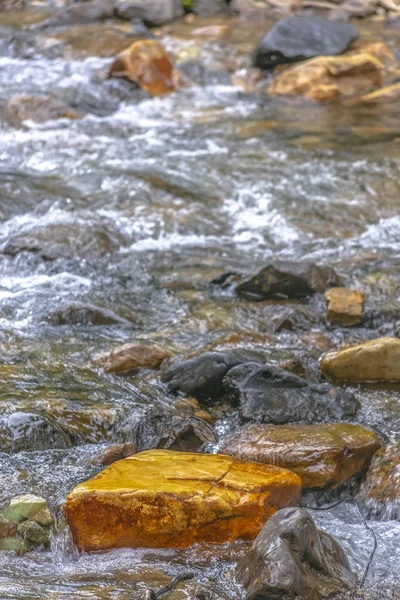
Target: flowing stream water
(135,209)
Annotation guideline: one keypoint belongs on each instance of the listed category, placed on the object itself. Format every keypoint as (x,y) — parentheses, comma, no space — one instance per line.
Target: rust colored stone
(164,499)
(146,63)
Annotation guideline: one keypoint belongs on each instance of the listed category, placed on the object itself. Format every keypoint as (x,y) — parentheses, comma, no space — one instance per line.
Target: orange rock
(163,499)
(129,358)
(146,63)
(345,307)
(330,78)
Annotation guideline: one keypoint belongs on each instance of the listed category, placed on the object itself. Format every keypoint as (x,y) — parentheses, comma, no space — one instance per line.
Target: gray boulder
(268,394)
(291,558)
(202,376)
(299,38)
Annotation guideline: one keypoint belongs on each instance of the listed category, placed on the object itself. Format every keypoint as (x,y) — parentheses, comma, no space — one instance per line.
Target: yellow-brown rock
(162,499)
(146,63)
(345,307)
(130,357)
(387,94)
(331,78)
(323,455)
(376,360)
(381,487)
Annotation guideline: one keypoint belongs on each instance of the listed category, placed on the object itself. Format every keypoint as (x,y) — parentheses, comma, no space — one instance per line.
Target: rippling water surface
(135,209)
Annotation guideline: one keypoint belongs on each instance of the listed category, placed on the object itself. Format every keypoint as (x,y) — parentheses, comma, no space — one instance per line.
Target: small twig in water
(152,595)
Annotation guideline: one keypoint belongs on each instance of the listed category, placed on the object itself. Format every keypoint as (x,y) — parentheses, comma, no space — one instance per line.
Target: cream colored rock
(387,94)
(162,499)
(376,360)
(332,78)
(345,307)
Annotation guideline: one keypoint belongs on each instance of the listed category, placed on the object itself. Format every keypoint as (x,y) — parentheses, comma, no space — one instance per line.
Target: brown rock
(376,360)
(37,108)
(381,487)
(331,78)
(130,357)
(115,453)
(162,499)
(345,307)
(146,63)
(322,455)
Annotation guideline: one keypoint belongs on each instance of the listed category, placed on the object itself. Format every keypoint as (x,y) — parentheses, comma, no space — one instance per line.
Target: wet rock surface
(299,38)
(322,455)
(291,556)
(199,498)
(288,280)
(376,360)
(152,12)
(267,394)
(202,376)
(131,357)
(39,109)
(344,307)
(25,524)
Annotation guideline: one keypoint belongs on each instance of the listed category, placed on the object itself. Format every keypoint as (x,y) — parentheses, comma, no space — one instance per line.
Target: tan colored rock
(212,31)
(147,64)
(387,94)
(345,307)
(376,360)
(162,499)
(332,78)
(323,455)
(130,357)
(37,108)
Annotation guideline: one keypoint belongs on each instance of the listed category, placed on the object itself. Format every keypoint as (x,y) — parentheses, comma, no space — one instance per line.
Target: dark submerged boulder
(291,558)
(268,394)
(202,376)
(288,280)
(79,13)
(299,38)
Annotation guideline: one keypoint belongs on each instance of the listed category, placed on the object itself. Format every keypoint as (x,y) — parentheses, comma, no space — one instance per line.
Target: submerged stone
(162,499)
(298,38)
(80,313)
(288,279)
(291,558)
(268,394)
(129,358)
(323,455)
(375,360)
(152,12)
(40,109)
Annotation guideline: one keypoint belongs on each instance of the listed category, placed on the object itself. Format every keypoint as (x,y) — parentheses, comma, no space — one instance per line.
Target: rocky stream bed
(174,269)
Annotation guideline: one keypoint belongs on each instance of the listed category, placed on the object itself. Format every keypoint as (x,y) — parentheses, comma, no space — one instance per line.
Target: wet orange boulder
(146,63)
(165,499)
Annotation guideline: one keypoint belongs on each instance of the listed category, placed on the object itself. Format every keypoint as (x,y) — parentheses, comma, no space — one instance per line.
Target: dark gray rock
(268,394)
(291,558)
(288,280)
(77,14)
(206,8)
(202,376)
(150,428)
(31,432)
(151,12)
(298,38)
